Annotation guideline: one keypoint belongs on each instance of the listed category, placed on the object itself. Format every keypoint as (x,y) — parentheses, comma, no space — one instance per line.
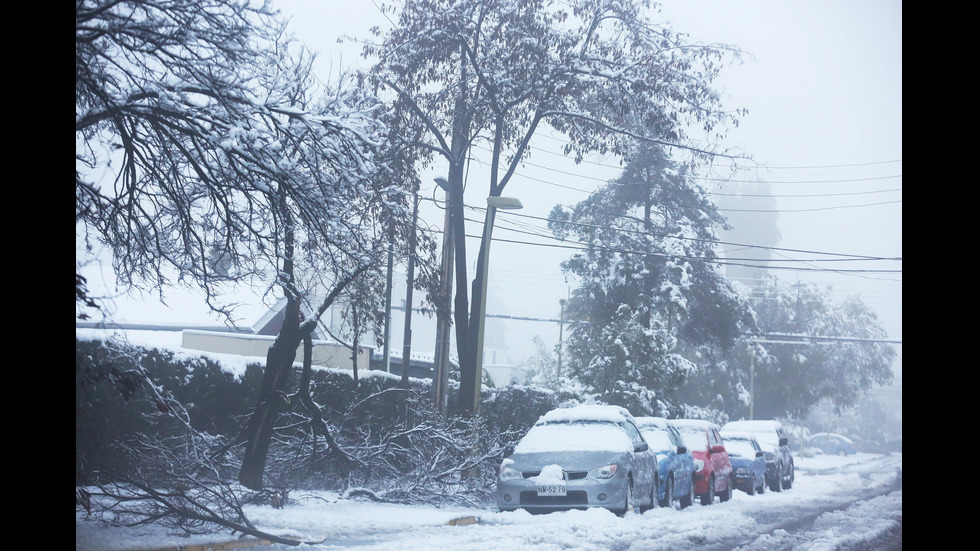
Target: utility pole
(391,260)
(561,330)
(751,384)
(443,311)
(407,345)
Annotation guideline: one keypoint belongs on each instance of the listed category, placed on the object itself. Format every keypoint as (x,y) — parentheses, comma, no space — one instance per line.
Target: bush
(515,408)
(392,444)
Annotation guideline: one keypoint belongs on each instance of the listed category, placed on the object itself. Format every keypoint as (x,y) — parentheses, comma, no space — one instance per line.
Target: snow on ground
(822,481)
(369,526)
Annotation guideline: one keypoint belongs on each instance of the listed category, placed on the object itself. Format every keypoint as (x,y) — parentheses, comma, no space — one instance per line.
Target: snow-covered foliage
(793,377)
(201,140)
(648,283)
(489,74)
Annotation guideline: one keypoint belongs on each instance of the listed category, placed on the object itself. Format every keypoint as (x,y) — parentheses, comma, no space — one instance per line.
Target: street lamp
(493,203)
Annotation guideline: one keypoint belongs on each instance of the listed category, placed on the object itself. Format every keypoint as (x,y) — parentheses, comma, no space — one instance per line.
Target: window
(634,434)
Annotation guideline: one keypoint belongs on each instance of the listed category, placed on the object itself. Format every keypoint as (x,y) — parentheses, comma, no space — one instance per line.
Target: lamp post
(493,203)
(441,375)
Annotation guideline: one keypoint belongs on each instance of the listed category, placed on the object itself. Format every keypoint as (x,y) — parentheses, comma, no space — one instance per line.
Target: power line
(758,167)
(813,209)
(861,259)
(651,234)
(692,177)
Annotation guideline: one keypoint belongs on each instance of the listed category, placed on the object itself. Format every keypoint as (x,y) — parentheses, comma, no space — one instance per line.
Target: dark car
(676,464)
(576,458)
(780,467)
(712,469)
(830,443)
(748,461)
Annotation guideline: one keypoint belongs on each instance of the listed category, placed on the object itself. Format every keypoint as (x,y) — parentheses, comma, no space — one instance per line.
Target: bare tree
(491,73)
(206,153)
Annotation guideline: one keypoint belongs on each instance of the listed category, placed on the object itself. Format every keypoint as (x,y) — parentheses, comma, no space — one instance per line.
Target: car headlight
(770,457)
(509,473)
(698,465)
(606,471)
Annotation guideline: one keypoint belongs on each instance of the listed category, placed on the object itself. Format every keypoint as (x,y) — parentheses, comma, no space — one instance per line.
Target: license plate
(553,490)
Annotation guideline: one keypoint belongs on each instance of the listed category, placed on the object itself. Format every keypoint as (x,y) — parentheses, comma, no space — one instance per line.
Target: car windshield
(696,439)
(768,439)
(578,436)
(658,439)
(739,447)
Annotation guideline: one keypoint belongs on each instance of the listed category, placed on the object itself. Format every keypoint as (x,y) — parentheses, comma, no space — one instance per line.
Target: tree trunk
(465,345)
(272,396)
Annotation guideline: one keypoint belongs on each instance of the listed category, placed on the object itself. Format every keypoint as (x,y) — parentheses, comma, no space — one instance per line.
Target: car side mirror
(784,441)
(760,454)
(508,450)
(717,449)
(641,447)
(681,450)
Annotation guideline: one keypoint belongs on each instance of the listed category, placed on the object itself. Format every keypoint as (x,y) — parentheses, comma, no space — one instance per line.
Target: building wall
(324,353)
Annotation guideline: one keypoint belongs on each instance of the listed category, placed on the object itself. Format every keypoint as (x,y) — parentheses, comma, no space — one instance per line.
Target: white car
(576,458)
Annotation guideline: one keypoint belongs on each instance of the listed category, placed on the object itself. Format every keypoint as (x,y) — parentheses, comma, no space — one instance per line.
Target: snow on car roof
(755,425)
(738,434)
(651,422)
(693,423)
(560,437)
(613,414)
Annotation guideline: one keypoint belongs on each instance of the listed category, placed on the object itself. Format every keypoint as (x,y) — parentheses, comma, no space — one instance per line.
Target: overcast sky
(822,80)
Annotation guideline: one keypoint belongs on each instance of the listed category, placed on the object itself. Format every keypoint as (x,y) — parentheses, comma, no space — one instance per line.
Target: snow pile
(550,474)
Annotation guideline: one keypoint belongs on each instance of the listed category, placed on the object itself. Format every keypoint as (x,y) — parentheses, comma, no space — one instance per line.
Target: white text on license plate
(552,490)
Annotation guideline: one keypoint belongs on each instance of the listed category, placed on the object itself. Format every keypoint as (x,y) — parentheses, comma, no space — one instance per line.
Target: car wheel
(668,500)
(788,483)
(762,487)
(687,500)
(751,489)
(727,494)
(630,507)
(708,497)
(653,493)
(777,481)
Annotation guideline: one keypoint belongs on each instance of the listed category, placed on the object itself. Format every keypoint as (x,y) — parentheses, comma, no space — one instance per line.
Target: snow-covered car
(712,468)
(831,443)
(748,461)
(676,464)
(780,467)
(576,458)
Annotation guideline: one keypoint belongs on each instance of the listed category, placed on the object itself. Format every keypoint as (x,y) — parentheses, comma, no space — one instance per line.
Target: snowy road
(852,503)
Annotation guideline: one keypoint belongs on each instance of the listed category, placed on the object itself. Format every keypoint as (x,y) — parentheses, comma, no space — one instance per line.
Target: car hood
(569,460)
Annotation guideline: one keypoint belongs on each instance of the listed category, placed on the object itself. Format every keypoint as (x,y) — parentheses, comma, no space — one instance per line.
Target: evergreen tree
(648,281)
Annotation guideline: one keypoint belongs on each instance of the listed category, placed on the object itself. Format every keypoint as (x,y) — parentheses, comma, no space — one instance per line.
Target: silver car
(580,457)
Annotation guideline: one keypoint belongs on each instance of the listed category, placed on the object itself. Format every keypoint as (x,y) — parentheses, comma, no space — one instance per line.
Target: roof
(738,435)
(693,423)
(757,425)
(589,412)
(651,422)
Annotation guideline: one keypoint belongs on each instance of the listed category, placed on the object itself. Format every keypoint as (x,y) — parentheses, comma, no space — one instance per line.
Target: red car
(712,468)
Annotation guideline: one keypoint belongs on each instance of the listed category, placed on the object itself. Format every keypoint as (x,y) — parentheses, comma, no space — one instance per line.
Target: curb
(219,546)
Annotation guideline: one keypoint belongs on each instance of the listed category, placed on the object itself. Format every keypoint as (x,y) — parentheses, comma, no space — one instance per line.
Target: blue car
(675,462)
(748,461)
(833,444)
